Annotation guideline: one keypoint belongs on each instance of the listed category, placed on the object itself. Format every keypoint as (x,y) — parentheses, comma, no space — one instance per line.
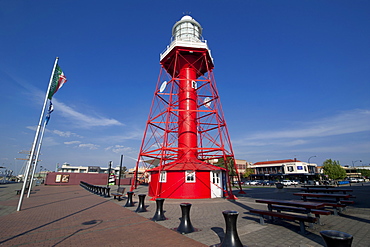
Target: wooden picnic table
(292,203)
(318,186)
(311,209)
(337,205)
(328,190)
(337,197)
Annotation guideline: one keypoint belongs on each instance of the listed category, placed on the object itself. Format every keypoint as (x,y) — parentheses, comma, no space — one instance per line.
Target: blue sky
(293,76)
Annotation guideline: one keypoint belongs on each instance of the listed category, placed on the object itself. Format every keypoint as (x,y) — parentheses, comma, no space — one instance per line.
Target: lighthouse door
(216,186)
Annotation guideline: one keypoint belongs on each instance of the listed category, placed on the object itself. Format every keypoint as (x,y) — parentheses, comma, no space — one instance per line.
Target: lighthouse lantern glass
(187,31)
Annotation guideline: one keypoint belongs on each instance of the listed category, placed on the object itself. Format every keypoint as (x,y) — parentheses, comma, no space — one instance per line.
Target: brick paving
(71,216)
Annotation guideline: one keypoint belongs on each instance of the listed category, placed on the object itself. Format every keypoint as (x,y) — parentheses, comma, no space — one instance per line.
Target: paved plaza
(72,216)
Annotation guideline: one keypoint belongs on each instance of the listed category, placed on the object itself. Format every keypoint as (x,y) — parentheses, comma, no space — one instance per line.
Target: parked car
(361,180)
(353,180)
(286,182)
(241,182)
(267,182)
(272,183)
(255,182)
(295,182)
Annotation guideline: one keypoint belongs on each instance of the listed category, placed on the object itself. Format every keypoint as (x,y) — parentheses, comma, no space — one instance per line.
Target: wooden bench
(119,193)
(316,212)
(337,206)
(346,202)
(301,218)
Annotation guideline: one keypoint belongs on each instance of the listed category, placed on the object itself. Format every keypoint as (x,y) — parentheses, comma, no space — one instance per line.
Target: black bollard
(129,202)
(107,192)
(336,238)
(231,238)
(141,207)
(185,224)
(159,214)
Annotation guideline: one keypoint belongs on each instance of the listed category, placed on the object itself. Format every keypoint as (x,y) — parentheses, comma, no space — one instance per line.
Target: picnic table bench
(308,208)
(329,200)
(318,186)
(301,218)
(327,190)
(316,212)
(337,197)
(120,192)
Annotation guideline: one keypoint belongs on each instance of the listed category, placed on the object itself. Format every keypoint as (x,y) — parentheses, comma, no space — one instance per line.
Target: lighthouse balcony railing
(202,44)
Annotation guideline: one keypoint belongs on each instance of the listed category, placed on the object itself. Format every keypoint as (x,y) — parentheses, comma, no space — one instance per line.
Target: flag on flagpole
(51,109)
(58,80)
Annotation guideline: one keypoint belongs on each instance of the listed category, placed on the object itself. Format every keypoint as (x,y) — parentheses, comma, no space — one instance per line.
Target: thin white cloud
(89,146)
(49,141)
(56,132)
(344,123)
(64,133)
(119,149)
(72,142)
(31,128)
(84,120)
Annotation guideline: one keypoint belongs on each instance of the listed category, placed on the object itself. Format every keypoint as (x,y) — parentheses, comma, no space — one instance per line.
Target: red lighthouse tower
(186,149)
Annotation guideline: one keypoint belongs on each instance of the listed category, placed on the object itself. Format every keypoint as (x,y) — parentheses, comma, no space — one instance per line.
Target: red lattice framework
(160,142)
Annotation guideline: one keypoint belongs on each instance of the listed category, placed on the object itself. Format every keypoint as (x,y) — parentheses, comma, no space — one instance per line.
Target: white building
(284,169)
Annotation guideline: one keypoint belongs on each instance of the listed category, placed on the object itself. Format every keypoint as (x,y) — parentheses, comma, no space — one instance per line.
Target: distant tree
(123,171)
(248,172)
(229,165)
(364,172)
(333,169)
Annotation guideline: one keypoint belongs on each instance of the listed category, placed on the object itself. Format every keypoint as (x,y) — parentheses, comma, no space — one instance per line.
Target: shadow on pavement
(52,222)
(92,223)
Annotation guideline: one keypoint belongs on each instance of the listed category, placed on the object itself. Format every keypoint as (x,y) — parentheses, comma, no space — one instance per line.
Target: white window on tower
(190,176)
(194,84)
(163,177)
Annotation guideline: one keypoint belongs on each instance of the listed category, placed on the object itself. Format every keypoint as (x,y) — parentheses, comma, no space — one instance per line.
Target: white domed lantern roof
(187,32)
(187,29)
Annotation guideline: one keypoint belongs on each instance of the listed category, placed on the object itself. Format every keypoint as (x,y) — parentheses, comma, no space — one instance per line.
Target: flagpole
(35,139)
(36,158)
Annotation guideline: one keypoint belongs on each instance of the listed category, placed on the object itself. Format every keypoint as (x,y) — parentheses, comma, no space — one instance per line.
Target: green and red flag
(58,80)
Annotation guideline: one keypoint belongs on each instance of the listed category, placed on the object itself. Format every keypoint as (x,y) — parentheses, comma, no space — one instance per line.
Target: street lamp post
(40,171)
(353,165)
(309,167)
(310,158)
